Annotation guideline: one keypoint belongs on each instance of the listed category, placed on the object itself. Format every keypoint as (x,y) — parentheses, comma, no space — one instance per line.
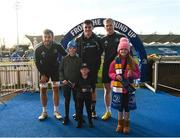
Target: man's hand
(64,82)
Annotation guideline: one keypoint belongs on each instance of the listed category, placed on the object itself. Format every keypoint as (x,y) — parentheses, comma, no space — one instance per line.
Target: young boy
(69,74)
(84,95)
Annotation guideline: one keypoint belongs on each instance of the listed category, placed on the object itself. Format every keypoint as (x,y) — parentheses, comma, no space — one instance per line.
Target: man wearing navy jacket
(47,60)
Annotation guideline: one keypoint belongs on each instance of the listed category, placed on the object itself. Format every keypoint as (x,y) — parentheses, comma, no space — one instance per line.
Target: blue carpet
(157,115)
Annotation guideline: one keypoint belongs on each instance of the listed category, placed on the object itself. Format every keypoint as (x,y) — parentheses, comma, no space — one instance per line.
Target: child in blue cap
(69,74)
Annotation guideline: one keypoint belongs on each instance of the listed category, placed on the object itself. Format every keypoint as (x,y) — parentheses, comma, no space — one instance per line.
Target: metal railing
(18,77)
(165,75)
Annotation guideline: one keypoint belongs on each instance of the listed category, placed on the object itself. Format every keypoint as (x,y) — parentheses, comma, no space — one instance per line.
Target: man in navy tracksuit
(90,50)
(47,55)
(110,44)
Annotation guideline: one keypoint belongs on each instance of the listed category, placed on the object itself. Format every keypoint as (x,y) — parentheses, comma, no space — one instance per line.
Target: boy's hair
(88,22)
(48,31)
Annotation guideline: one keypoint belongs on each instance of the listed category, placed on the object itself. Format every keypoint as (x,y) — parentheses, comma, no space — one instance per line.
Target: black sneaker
(83,121)
(91,125)
(75,117)
(79,125)
(65,121)
(94,115)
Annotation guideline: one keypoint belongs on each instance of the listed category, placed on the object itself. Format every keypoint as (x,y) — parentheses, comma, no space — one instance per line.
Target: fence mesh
(169,75)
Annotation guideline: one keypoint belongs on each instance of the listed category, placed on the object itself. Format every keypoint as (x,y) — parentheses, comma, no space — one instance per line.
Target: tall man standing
(110,44)
(90,50)
(47,55)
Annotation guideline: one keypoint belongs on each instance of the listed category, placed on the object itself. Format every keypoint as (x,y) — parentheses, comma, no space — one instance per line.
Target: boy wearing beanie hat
(69,74)
(123,67)
(72,44)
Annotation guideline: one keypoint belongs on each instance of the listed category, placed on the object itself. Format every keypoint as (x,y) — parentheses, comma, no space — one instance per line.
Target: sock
(55,108)
(109,109)
(44,109)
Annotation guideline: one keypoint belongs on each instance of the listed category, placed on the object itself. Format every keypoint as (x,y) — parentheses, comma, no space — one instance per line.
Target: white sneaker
(43,116)
(57,115)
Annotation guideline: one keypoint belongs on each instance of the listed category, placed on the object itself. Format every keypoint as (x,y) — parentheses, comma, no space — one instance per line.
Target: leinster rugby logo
(116,98)
(43,54)
(106,43)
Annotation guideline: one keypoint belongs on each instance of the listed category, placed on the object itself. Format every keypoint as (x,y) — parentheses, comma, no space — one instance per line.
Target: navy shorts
(105,74)
(53,75)
(94,75)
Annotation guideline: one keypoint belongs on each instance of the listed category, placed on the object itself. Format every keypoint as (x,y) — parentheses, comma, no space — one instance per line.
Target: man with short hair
(110,44)
(47,55)
(90,50)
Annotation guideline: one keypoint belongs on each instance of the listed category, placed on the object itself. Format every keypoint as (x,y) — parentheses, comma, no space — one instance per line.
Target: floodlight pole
(17,22)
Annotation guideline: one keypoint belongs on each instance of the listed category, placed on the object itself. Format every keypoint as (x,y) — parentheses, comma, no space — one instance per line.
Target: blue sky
(142,16)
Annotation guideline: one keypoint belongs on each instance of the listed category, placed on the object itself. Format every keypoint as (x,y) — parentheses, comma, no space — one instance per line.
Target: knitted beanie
(72,44)
(123,44)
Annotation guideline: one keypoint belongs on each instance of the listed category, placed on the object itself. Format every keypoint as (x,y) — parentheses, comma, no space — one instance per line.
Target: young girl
(123,67)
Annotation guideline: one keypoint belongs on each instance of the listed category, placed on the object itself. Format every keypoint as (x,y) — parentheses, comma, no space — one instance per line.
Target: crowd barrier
(18,77)
(165,74)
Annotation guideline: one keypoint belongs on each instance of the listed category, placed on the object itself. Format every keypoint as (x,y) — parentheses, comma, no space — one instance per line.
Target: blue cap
(72,44)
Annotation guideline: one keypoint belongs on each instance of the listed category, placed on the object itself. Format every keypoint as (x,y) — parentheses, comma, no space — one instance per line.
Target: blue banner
(122,28)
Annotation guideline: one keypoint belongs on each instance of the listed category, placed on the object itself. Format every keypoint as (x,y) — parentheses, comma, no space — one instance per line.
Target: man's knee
(55,84)
(43,85)
(107,88)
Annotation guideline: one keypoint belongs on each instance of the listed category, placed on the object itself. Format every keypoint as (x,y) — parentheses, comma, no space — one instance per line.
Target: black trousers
(84,98)
(124,102)
(67,95)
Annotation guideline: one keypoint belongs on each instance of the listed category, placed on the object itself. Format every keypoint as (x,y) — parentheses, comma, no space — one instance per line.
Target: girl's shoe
(126,128)
(120,126)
